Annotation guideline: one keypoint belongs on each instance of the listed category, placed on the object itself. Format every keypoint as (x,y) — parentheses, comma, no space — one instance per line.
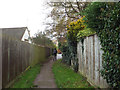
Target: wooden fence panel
(80,48)
(5,58)
(11,62)
(93,59)
(78,55)
(87,71)
(16,59)
(85,41)
(90,60)
(88,54)
(96,61)
(1,59)
(22,58)
(81,58)
(17,56)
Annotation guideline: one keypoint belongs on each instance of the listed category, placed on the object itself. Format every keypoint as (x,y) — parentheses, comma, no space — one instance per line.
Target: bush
(70,49)
(104,18)
(84,33)
(66,54)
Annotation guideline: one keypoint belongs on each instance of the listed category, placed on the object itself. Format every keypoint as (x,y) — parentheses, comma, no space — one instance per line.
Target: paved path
(59,56)
(46,78)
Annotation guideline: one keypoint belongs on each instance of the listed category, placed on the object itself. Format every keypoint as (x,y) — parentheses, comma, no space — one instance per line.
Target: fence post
(0,59)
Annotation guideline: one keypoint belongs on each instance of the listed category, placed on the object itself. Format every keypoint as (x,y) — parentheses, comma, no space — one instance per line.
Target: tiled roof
(14,32)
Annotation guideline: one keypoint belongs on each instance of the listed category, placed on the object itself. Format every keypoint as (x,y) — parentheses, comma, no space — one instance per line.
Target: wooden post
(0,59)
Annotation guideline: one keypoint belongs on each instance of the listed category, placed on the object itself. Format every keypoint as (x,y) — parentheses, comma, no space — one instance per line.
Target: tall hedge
(104,18)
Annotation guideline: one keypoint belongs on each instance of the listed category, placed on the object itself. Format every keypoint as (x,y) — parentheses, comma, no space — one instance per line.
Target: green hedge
(104,18)
(84,33)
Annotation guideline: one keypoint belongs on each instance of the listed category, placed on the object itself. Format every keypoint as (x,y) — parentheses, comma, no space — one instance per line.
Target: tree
(58,29)
(62,14)
(42,39)
(71,9)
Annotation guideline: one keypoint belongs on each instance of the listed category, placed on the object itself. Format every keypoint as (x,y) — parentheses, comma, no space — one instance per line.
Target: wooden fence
(0,59)
(17,56)
(89,55)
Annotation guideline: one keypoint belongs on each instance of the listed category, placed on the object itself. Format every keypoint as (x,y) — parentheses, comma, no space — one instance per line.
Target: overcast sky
(20,13)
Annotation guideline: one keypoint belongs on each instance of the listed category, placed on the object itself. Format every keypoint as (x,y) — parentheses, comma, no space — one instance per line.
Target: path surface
(46,78)
(59,56)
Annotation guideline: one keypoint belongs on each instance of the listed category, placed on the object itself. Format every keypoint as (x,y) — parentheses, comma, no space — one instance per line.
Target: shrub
(70,49)
(66,54)
(84,33)
(104,18)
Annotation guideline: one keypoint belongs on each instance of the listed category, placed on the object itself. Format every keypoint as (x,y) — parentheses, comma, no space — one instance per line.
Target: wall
(90,60)
(0,59)
(18,55)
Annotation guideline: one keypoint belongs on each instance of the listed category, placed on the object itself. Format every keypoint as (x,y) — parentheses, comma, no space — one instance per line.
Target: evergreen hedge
(104,18)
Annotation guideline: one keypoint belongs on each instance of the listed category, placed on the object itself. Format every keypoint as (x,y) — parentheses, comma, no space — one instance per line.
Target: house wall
(0,59)
(26,36)
(90,60)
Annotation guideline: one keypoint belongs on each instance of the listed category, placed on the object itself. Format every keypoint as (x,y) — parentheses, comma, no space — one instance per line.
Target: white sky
(20,13)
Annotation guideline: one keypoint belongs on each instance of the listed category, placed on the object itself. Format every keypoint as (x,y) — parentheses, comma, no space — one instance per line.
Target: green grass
(67,78)
(27,78)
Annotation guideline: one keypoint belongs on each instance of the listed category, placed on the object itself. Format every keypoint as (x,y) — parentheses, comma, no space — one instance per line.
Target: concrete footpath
(59,56)
(46,78)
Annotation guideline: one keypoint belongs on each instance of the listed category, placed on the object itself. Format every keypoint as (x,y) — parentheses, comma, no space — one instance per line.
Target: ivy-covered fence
(89,55)
(104,18)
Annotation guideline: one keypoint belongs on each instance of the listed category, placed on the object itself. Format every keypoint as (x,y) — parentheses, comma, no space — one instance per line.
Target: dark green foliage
(104,18)
(66,54)
(70,51)
(59,45)
(41,39)
(84,33)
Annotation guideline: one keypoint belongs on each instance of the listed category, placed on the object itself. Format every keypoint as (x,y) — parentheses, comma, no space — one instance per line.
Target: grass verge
(67,78)
(26,79)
